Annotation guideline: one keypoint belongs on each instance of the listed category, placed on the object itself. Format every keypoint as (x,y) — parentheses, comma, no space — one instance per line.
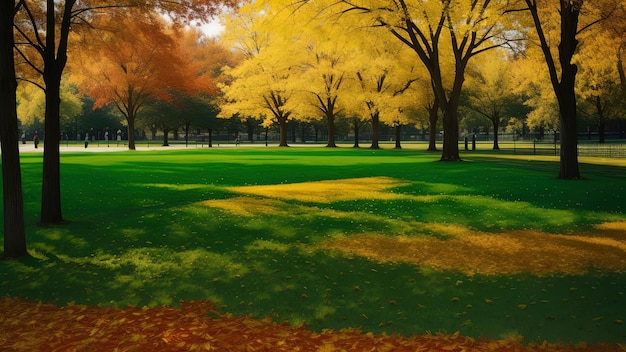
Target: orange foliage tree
(127,69)
(45,27)
(196,106)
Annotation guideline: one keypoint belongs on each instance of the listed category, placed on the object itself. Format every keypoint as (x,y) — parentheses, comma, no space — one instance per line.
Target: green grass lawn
(389,241)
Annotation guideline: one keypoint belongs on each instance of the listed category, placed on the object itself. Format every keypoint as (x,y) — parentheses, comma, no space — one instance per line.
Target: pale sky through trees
(212,29)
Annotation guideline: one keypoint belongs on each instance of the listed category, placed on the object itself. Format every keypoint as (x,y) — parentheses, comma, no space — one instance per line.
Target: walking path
(95,147)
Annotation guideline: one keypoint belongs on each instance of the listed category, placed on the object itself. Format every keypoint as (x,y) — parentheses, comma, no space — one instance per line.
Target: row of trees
(119,71)
(375,61)
(39,34)
(382,60)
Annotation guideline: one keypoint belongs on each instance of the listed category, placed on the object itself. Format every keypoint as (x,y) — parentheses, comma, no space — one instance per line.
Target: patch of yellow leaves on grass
(248,206)
(328,190)
(474,252)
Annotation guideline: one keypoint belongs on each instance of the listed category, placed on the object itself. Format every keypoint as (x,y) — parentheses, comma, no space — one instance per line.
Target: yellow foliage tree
(329,67)
(566,21)
(32,103)
(599,85)
(388,79)
(491,87)
(260,85)
(438,30)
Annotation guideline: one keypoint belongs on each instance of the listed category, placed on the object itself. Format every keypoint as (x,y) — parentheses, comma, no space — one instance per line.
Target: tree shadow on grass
(151,239)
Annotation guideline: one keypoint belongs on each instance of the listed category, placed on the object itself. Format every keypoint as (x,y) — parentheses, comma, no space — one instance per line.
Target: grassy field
(388,241)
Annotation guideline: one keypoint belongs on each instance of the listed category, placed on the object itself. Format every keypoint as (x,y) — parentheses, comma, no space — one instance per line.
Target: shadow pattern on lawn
(269,252)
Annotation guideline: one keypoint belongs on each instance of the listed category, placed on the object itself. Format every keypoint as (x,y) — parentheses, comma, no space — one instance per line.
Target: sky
(213,28)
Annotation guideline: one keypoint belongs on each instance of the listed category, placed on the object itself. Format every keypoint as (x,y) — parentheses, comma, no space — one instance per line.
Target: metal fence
(605,150)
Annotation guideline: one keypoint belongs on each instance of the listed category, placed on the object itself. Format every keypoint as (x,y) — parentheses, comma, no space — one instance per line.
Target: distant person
(86,140)
(36,140)
(23,137)
(237,141)
(119,135)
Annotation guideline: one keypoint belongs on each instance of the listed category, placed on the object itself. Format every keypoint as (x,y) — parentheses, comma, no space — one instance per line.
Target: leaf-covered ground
(197,326)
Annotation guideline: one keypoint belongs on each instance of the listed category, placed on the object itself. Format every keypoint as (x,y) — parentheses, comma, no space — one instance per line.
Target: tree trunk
(375,130)
(130,120)
(451,135)
(282,123)
(166,143)
(330,119)
(564,85)
(566,92)
(569,142)
(54,62)
(51,183)
(356,126)
(398,135)
(187,124)
(14,232)
(602,131)
(496,128)
(569,132)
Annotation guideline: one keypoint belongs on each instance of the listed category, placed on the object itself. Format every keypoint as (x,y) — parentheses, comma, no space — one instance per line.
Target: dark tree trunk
(564,85)
(496,128)
(450,136)
(569,140)
(375,130)
(602,131)
(330,119)
(282,123)
(450,108)
(54,59)
(398,134)
(210,138)
(13,211)
(130,119)
(51,187)
(566,92)
(355,124)
(166,131)
(187,124)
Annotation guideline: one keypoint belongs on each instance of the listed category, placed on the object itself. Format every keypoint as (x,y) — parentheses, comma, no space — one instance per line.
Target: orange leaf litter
(196,326)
